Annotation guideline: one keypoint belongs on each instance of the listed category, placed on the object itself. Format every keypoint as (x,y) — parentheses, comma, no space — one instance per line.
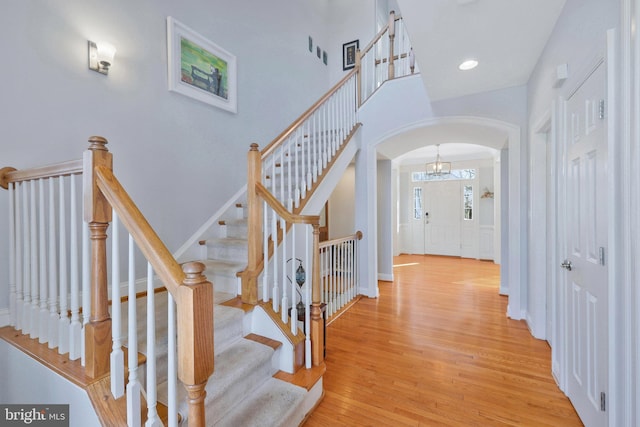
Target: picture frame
(199,68)
(324,57)
(349,54)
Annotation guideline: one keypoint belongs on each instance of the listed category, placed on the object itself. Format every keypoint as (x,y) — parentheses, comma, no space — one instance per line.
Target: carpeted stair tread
(229,267)
(220,297)
(239,369)
(274,404)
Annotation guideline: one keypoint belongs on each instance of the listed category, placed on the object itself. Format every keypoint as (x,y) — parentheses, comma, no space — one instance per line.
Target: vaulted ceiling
(506,37)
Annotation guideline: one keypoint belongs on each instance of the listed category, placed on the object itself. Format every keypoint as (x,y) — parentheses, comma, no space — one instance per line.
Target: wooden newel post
(97,213)
(195,338)
(254,230)
(317,323)
(392,36)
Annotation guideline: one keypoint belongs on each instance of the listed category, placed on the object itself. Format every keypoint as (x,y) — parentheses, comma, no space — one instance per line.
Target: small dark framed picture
(349,54)
(310,44)
(318,51)
(324,57)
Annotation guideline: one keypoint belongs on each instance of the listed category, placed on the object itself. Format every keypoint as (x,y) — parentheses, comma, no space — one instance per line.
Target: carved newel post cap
(254,147)
(98,143)
(4,182)
(193,270)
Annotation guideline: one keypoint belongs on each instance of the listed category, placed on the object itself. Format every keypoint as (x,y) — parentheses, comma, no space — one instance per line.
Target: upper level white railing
(388,56)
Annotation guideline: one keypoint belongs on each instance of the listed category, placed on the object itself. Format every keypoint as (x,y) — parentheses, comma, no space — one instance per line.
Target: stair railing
(283,176)
(48,262)
(388,56)
(187,286)
(58,281)
(339,272)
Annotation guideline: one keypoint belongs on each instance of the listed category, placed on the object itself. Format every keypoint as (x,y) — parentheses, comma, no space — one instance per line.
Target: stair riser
(236,231)
(223,252)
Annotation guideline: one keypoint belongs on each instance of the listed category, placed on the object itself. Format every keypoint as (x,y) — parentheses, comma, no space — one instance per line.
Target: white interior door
(586,239)
(443,206)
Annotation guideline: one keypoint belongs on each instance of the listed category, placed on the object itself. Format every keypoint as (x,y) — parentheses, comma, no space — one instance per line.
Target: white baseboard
(385,277)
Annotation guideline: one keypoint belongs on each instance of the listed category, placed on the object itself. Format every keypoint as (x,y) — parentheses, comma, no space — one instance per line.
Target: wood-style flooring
(437,349)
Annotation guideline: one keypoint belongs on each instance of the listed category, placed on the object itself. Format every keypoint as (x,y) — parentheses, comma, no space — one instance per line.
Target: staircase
(234,376)
(243,390)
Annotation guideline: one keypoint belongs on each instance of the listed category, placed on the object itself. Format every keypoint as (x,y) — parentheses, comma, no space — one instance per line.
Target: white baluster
(348,277)
(63,322)
(12,256)
(26,259)
(152,414)
(289,178)
(75,328)
(285,303)
(43,313)
(323,287)
(294,313)
(275,297)
(308,151)
(19,258)
(357,266)
(265,249)
(53,270)
(34,310)
(294,144)
(172,368)
(317,161)
(117,355)
(325,136)
(307,302)
(342,273)
(334,274)
(133,386)
(282,183)
(86,285)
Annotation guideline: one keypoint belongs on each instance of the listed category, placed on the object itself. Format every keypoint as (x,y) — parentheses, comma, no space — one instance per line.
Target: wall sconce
(101,56)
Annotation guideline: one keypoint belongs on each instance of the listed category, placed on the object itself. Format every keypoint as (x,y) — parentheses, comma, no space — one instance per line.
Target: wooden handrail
(289,217)
(191,290)
(375,40)
(273,144)
(356,236)
(9,174)
(378,36)
(146,238)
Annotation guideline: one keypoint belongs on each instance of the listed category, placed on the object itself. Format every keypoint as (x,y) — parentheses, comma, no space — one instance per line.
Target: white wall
(578,39)
(385,222)
(32,383)
(350,20)
(167,147)
(342,205)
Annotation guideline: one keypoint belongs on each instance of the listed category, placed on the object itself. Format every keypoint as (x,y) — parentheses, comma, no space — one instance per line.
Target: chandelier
(438,167)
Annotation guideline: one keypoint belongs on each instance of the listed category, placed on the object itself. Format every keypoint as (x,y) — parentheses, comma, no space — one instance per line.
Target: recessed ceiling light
(469,64)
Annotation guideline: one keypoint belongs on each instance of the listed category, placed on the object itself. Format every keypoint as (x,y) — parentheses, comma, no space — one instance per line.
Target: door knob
(567,264)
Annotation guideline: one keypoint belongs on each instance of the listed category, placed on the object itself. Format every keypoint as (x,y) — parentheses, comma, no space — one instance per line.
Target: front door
(442,201)
(586,246)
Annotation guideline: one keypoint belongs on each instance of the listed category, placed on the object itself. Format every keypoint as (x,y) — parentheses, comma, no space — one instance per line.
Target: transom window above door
(456,174)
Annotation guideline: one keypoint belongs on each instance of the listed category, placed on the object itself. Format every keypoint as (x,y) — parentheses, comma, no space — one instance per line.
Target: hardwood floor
(437,349)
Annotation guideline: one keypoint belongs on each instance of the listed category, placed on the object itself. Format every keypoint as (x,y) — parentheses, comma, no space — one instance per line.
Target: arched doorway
(493,133)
